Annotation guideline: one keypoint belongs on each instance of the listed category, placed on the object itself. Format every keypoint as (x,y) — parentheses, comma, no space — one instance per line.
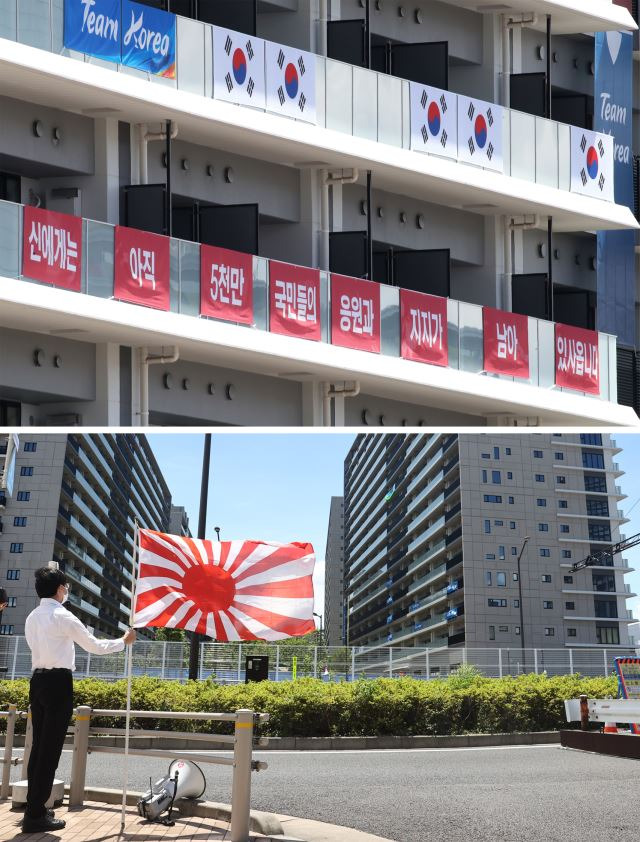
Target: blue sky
(265,486)
(278,487)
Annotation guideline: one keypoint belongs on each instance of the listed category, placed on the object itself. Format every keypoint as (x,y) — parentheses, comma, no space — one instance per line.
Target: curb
(338,743)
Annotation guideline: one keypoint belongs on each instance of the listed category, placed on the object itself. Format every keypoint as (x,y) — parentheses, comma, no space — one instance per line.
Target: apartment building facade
(76,500)
(316,182)
(334,615)
(460,541)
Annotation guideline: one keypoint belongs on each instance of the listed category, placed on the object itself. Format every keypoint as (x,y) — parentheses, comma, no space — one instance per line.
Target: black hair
(48,581)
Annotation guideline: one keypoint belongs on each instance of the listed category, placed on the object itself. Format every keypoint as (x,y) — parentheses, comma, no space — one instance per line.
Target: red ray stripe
(301,588)
(243,631)
(201,628)
(151,570)
(280,555)
(190,613)
(194,550)
(149,597)
(165,619)
(167,554)
(290,626)
(245,551)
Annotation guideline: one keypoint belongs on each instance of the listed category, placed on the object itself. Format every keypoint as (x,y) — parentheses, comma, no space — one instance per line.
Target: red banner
(226,284)
(424,335)
(52,248)
(142,265)
(577,359)
(294,301)
(506,342)
(355,313)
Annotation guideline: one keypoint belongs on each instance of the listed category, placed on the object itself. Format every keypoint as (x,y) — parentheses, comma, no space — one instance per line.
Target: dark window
(492,632)
(512,524)
(539,477)
(501,553)
(564,528)
(543,527)
(485,455)
(559,456)
(597,507)
(604,582)
(571,633)
(5,629)
(507,450)
(549,632)
(568,580)
(563,504)
(23,496)
(537,454)
(608,634)
(514,551)
(493,498)
(546,577)
(570,606)
(490,556)
(545,553)
(497,603)
(541,501)
(13,575)
(591,438)
(26,471)
(605,607)
(19,521)
(487,527)
(566,554)
(561,480)
(547,603)
(599,531)
(509,474)
(16,548)
(501,579)
(496,452)
(595,482)
(592,459)
(511,501)
(487,578)
(484,476)
(12,602)
(30,446)
(496,478)
(498,523)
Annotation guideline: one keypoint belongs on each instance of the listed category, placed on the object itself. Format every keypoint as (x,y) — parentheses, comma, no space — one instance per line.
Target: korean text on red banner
(52,248)
(577,359)
(226,285)
(355,313)
(294,301)
(142,268)
(424,333)
(506,342)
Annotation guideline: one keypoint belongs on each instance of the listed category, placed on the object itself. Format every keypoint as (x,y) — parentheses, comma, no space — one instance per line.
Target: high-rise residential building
(469,541)
(179,522)
(334,575)
(235,221)
(75,499)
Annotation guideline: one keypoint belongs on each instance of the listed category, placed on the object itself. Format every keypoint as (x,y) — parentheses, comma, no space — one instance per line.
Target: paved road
(537,794)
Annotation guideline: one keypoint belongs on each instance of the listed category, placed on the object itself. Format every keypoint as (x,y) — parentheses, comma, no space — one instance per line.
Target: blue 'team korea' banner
(93,27)
(149,39)
(616,249)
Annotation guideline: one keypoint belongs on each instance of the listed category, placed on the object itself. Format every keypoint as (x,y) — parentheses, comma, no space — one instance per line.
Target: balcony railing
(465,321)
(349,99)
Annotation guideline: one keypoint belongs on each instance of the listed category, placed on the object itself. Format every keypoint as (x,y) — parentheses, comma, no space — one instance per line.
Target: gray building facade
(435,526)
(75,500)
(334,575)
(72,141)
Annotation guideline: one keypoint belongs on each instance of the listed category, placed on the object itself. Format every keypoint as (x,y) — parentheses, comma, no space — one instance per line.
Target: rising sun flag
(227,590)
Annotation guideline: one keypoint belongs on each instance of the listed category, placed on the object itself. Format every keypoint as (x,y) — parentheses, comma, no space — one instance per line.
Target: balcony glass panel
(8,19)
(390,110)
(190,55)
(546,133)
(99,253)
(34,23)
(10,232)
(365,103)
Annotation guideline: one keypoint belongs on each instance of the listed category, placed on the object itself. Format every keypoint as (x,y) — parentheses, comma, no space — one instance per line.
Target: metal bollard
(241,787)
(8,752)
(79,759)
(28,741)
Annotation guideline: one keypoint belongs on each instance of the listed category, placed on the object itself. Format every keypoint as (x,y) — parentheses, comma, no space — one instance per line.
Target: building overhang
(34,75)
(567,16)
(46,310)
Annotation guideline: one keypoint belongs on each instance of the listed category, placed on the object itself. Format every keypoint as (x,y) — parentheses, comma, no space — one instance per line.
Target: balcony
(95,305)
(353,104)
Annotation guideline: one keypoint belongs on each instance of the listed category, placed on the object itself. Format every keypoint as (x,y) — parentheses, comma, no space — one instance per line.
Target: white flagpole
(125,782)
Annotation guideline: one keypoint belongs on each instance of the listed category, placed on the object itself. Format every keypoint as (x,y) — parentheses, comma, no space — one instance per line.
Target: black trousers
(51,700)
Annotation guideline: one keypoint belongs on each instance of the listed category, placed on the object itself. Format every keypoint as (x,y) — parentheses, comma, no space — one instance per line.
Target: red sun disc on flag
(229,590)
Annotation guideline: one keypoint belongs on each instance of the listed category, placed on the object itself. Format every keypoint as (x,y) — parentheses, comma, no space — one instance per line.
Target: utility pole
(194,651)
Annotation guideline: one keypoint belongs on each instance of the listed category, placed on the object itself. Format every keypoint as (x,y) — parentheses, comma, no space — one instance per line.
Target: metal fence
(225,662)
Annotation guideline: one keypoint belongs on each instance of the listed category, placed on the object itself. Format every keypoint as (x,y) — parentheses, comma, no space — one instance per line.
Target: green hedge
(313,708)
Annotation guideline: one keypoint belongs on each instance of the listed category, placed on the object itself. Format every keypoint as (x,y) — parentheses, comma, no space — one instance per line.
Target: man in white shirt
(51,633)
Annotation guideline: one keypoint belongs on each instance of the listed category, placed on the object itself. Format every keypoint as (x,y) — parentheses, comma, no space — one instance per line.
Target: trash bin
(256,668)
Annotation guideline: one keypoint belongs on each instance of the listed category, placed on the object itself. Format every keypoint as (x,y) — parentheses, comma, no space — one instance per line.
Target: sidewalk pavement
(97,822)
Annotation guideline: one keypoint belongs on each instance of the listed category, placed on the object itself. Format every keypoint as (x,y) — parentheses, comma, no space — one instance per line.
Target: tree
(171,635)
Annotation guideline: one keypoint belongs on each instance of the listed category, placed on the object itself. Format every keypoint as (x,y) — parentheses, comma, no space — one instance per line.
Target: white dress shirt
(51,632)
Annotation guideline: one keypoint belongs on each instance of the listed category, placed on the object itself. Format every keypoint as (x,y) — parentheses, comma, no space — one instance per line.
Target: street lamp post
(524,544)
(194,649)
(321,630)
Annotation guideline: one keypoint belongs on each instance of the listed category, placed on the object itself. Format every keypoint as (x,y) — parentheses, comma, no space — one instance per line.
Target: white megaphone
(185,779)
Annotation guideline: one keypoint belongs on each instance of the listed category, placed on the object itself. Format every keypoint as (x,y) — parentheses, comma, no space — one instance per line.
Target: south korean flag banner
(434,121)
(592,164)
(480,133)
(238,68)
(291,82)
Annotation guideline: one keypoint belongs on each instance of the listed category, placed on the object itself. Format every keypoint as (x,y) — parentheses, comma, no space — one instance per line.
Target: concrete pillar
(103,201)
(312,404)
(107,409)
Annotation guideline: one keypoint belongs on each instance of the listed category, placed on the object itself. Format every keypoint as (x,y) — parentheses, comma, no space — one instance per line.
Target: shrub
(464,703)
